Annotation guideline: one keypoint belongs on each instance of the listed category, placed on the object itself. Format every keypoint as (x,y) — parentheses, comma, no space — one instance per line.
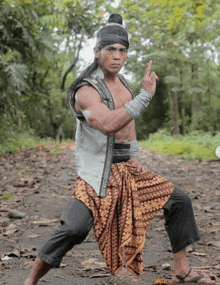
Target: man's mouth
(115,64)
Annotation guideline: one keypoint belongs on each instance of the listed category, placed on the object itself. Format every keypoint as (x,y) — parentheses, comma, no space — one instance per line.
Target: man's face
(112,57)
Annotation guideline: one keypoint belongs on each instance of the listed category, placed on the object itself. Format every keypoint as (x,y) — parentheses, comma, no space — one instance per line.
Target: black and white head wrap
(112,33)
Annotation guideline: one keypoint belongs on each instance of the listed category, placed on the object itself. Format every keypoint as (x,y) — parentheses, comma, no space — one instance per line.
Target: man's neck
(110,77)
(107,76)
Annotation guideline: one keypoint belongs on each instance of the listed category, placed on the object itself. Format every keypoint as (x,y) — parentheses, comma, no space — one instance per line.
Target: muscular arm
(98,114)
(110,122)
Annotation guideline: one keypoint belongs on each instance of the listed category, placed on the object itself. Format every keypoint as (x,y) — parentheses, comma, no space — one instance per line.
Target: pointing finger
(148,68)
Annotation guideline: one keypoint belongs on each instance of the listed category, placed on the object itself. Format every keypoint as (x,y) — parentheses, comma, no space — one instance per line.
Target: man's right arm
(97,114)
(110,122)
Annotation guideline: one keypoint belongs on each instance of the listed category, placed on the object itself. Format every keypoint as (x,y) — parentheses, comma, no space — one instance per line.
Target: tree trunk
(62,87)
(183,108)
(50,114)
(174,105)
(183,121)
(193,78)
(59,135)
(193,107)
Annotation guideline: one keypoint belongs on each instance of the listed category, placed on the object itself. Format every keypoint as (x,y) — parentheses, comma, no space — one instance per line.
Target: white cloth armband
(138,104)
(134,149)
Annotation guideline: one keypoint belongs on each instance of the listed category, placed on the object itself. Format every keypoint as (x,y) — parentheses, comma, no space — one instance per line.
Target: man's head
(110,51)
(112,33)
(112,45)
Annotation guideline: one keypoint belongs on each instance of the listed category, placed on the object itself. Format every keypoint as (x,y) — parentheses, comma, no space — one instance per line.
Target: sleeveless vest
(93,149)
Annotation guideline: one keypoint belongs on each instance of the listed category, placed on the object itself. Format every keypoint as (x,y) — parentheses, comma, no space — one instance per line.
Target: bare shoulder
(85,97)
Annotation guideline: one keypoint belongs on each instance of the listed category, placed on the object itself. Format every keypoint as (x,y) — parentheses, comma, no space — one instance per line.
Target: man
(114,193)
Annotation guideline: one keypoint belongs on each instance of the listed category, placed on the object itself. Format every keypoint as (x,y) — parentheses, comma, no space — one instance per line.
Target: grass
(26,140)
(196,145)
(23,140)
(17,141)
(8,196)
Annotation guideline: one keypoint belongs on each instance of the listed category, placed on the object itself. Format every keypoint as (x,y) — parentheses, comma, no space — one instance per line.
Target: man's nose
(116,54)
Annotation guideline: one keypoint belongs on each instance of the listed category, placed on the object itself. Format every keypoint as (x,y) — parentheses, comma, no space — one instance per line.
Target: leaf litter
(41,184)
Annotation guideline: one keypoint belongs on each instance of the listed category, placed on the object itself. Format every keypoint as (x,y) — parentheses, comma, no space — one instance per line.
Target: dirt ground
(41,184)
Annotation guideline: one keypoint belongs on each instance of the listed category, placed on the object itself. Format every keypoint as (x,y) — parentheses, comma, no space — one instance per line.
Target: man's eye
(111,49)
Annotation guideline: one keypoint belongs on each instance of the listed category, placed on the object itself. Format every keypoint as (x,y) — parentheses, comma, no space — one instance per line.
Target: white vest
(93,149)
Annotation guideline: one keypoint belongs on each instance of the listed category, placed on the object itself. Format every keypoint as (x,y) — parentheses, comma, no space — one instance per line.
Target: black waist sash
(121,152)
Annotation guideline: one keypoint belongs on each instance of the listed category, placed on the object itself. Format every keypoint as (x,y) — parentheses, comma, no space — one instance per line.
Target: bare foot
(189,276)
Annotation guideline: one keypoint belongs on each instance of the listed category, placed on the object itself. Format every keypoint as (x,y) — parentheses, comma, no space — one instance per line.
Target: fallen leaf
(100,275)
(11,229)
(4,210)
(152,268)
(93,263)
(215,224)
(27,265)
(29,255)
(189,248)
(33,236)
(45,222)
(6,258)
(215,243)
(199,253)
(14,253)
(160,281)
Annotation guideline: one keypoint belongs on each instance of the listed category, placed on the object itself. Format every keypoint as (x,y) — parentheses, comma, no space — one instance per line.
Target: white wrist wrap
(134,149)
(138,104)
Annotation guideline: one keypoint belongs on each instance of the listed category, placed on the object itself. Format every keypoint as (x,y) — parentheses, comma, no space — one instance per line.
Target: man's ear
(96,52)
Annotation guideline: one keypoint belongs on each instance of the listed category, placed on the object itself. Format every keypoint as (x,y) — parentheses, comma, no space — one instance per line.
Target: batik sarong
(122,217)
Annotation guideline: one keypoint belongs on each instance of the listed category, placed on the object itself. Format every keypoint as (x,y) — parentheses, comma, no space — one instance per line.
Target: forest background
(41,47)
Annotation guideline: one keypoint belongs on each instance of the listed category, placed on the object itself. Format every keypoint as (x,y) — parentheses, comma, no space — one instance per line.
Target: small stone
(166,266)
(14,214)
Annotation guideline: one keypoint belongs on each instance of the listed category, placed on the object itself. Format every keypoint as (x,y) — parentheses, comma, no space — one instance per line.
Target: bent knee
(76,234)
(183,198)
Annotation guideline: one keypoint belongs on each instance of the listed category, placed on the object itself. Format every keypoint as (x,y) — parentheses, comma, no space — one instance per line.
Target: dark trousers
(77,221)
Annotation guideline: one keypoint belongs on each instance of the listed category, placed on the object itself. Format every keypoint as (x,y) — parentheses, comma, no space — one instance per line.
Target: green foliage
(55,151)
(40,42)
(181,37)
(207,119)
(196,145)
(15,139)
(39,49)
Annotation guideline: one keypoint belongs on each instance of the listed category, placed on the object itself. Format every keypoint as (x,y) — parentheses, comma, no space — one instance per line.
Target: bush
(16,140)
(196,145)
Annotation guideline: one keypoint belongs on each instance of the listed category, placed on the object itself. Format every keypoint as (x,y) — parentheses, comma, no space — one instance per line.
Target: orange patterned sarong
(122,217)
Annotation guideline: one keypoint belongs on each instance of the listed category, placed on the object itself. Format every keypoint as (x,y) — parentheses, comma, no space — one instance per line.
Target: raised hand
(149,80)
